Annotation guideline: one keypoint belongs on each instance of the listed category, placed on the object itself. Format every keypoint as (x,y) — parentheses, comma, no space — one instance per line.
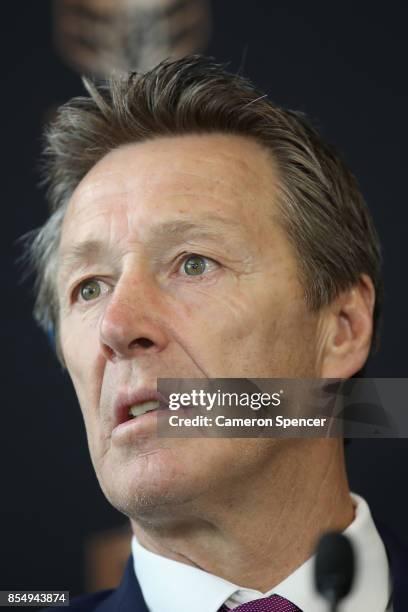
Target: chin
(151,502)
(150,484)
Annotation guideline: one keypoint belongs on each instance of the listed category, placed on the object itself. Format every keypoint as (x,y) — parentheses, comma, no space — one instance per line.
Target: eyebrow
(210,227)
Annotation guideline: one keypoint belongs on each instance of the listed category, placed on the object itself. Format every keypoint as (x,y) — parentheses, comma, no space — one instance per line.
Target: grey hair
(323,211)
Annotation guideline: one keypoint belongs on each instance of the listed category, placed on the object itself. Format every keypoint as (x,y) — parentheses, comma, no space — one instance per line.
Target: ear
(347,330)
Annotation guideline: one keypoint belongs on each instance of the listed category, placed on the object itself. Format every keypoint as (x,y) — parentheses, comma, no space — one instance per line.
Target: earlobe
(349,324)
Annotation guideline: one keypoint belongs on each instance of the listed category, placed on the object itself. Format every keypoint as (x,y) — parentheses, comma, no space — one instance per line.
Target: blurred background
(345,65)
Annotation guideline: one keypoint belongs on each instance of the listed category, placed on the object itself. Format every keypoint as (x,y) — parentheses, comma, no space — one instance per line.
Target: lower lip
(142,425)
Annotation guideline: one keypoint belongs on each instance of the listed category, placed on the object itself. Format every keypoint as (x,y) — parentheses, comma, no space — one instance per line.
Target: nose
(133,323)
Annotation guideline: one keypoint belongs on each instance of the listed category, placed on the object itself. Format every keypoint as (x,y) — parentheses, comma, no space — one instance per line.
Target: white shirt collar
(172,586)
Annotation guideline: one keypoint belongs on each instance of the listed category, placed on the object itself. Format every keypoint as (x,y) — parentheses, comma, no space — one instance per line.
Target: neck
(257,535)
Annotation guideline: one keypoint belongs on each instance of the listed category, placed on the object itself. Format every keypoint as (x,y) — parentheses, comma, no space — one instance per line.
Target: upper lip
(126,399)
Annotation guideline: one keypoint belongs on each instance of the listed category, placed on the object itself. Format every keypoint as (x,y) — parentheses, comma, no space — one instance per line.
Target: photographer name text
(222,421)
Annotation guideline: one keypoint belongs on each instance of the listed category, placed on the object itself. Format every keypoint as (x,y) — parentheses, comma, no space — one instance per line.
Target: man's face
(147,315)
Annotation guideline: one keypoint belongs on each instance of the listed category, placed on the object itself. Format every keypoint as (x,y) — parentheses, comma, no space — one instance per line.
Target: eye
(89,289)
(195,265)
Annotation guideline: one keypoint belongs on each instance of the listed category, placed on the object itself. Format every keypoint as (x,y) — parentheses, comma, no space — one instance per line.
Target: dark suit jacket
(128,596)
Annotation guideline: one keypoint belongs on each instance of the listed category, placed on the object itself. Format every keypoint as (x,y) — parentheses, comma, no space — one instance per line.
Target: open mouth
(139,409)
(131,406)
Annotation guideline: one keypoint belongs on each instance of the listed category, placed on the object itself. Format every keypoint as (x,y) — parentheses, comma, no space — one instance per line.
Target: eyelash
(180,261)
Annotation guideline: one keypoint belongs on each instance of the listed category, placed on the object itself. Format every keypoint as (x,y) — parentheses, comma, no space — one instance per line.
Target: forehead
(215,171)
(148,196)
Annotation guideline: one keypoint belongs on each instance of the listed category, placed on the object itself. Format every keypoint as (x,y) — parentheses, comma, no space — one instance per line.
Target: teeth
(139,409)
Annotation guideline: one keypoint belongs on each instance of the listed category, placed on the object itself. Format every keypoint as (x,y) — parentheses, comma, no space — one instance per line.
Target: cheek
(72,348)
(290,343)
(238,310)
(82,361)
(260,329)
(211,323)
(229,306)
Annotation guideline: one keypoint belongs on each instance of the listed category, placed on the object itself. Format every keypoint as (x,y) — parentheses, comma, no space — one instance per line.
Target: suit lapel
(398,560)
(128,596)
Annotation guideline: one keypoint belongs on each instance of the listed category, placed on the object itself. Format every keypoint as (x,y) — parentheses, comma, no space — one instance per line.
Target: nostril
(143,342)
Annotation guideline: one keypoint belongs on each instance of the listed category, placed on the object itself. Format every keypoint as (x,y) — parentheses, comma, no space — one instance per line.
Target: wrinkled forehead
(231,174)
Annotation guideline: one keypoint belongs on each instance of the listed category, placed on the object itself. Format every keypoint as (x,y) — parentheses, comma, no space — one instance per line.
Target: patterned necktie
(275,603)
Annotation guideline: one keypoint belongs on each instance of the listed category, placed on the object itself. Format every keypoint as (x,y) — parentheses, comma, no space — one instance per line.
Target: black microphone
(334,567)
